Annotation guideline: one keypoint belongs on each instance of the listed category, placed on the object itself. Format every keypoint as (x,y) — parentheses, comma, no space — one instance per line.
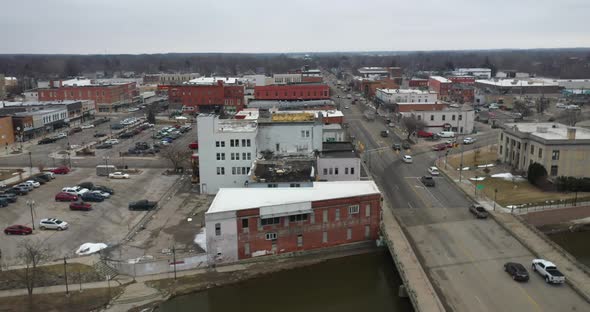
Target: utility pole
(31,204)
(174,260)
(30,164)
(495,194)
(66,276)
(461,164)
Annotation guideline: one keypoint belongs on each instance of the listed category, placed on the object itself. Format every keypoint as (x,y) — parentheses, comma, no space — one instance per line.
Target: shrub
(536,173)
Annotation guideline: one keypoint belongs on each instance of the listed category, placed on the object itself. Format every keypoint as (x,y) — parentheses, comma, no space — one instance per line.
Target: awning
(285,210)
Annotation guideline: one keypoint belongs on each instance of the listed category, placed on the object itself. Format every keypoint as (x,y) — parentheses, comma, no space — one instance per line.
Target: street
(463,256)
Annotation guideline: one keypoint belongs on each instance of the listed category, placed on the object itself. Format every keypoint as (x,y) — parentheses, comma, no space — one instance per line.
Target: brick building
(440,85)
(293,92)
(418,83)
(243,223)
(204,98)
(106,97)
(6,131)
(468,80)
(369,87)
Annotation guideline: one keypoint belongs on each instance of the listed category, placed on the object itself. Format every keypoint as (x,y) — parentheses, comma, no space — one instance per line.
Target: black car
(9,196)
(43,178)
(40,180)
(126,135)
(427,180)
(517,271)
(46,141)
(3,202)
(117,126)
(142,145)
(406,145)
(86,185)
(103,188)
(99,135)
(103,146)
(142,205)
(92,197)
(397,147)
(18,190)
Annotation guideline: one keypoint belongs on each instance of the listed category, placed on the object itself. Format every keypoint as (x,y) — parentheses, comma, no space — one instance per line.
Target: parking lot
(108,222)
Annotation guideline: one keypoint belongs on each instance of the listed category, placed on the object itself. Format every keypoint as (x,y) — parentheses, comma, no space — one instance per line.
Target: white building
(213,80)
(227,149)
(338,161)
(333,133)
(479,73)
(392,96)
(289,133)
(459,120)
(280,79)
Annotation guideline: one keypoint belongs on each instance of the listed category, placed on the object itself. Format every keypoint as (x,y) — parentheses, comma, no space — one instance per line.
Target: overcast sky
(157,26)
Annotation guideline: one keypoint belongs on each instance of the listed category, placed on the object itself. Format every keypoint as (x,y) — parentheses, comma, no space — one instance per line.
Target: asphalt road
(463,256)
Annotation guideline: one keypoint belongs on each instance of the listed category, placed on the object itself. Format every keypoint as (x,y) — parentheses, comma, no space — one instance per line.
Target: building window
(553,171)
(367,210)
(231,143)
(244,223)
(295,185)
(325,171)
(348,233)
(220,170)
(367,232)
(270,221)
(324,237)
(431,117)
(501,137)
(460,117)
(336,171)
(532,150)
(297,218)
(337,214)
(237,156)
(247,248)
(271,236)
(219,143)
(331,171)
(272,185)
(555,155)
(444,117)
(217,229)
(248,142)
(346,170)
(243,142)
(233,170)
(352,170)
(325,215)
(354,209)
(453,117)
(419,117)
(540,152)
(302,133)
(501,149)
(220,156)
(307,133)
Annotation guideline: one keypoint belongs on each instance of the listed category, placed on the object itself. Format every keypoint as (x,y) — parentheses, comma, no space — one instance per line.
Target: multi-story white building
(459,120)
(286,133)
(279,79)
(227,149)
(479,73)
(392,96)
(338,161)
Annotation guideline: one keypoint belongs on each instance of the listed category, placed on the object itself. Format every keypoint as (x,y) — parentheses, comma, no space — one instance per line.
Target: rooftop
(213,80)
(406,91)
(40,111)
(338,150)
(232,199)
(289,104)
(233,125)
(549,130)
(292,117)
(519,83)
(76,82)
(481,69)
(284,170)
(440,79)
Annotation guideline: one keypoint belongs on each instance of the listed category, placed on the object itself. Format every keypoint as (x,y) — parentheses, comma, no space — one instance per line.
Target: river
(576,243)
(358,283)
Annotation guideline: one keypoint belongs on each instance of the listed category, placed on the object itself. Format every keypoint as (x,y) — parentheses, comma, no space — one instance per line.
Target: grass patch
(470,159)
(7,173)
(88,300)
(50,275)
(519,193)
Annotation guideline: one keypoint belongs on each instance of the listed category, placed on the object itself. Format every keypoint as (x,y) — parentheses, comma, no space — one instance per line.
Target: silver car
(53,224)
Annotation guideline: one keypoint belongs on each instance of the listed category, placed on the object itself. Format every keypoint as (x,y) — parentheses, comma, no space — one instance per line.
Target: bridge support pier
(402,292)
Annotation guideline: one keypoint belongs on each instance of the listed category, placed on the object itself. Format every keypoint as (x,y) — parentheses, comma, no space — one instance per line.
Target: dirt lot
(88,300)
(108,222)
(50,275)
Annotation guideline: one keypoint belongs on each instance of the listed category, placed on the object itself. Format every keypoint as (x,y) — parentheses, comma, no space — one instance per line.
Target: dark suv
(9,196)
(427,180)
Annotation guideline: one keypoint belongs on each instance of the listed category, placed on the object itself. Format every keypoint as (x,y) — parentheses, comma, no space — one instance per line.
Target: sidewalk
(25,175)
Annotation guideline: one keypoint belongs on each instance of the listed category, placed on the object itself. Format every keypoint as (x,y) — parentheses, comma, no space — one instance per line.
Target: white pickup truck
(549,271)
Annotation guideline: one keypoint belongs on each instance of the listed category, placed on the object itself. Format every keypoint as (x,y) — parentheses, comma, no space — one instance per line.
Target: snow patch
(90,248)
(507,176)
(140,259)
(201,239)
(259,253)
(477,179)
(486,166)
(464,168)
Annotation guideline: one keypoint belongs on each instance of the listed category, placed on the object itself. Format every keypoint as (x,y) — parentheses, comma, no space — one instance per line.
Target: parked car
(126,135)
(18,230)
(3,202)
(104,195)
(142,145)
(46,141)
(194,145)
(433,171)
(80,206)
(407,159)
(61,135)
(63,196)
(49,174)
(103,188)
(26,186)
(517,271)
(446,134)
(53,224)
(478,211)
(427,180)
(468,140)
(117,126)
(43,178)
(142,205)
(573,107)
(397,147)
(111,141)
(76,190)
(103,146)
(75,130)
(92,197)
(548,271)
(10,197)
(450,143)
(385,133)
(34,183)
(118,175)
(87,185)
(560,105)
(424,134)
(439,147)
(61,170)
(88,126)
(406,145)
(100,135)
(17,190)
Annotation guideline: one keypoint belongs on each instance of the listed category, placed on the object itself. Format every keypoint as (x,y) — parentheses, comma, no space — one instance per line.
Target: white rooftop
(76,82)
(213,80)
(233,125)
(232,199)
(441,79)
(518,83)
(549,130)
(474,69)
(406,91)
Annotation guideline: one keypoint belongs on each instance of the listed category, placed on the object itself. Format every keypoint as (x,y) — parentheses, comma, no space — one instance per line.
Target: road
(463,256)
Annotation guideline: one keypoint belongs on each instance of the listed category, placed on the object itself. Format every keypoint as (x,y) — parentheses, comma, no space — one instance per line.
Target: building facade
(338,161)
(208,98)
(440,85)
(562,150)
(290,133)
(392,96)
(460,121)
(281,79)
(292,92)
(418,83)
(479,73)
(6,131)
(253,222)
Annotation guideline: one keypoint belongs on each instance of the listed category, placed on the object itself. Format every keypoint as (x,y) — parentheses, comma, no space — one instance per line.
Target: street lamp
(31,204)
(106,165)
(30,164)
(495,194)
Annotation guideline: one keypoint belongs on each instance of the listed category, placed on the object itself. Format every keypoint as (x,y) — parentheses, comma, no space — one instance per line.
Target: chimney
(571,133)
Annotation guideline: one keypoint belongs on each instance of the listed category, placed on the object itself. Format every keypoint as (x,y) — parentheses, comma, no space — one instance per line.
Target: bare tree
(32,253)
(411,124)
(571,117)
(178,157)
(522,108)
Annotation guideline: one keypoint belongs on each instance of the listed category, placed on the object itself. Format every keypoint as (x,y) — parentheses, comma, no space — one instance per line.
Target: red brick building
(462,93)
(418,83)
(207,98)
(468,80)
(369,87)
(106,97)
(412,107)
(292,92)
(440,85)
(243,223)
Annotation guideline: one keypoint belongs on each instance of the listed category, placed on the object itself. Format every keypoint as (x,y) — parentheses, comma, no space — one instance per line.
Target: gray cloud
(149,26)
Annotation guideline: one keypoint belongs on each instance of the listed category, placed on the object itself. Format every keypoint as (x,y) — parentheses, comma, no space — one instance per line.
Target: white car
(61,135)
(118,175)
(75,190)
(560,105)
(34,183)
(135,109)
(346,107)
(88,126)
(111,141)
(433,171)
(164,143)
(53,224)
(468,141)
(101,193)
(573,107)
(407,159)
